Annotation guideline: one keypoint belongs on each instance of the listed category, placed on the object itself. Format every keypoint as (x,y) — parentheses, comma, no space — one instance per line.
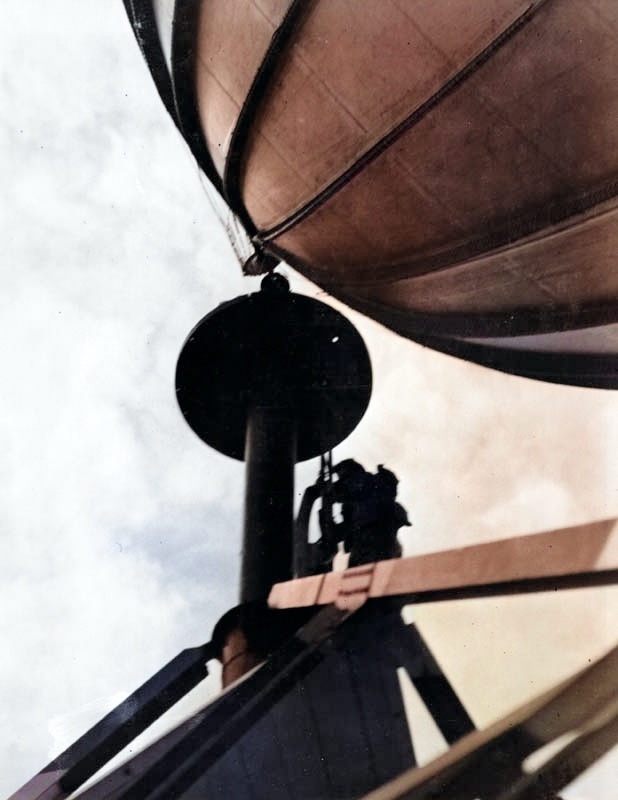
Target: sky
(119,529)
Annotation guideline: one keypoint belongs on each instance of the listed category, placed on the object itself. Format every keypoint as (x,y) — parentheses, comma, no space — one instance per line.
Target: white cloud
(117,548)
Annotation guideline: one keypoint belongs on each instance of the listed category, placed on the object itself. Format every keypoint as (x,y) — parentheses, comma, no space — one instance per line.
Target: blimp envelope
(450,169)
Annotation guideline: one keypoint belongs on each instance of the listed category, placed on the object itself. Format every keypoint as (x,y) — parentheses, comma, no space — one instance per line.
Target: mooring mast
(273,378)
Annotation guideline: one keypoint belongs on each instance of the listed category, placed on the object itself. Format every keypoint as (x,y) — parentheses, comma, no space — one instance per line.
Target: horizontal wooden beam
(586,555)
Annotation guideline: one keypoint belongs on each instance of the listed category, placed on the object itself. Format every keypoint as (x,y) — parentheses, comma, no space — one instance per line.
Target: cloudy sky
(119,529)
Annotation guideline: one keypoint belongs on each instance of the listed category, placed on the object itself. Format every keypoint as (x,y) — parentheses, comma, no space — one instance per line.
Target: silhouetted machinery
(453,176)
(276,378)
(313,706)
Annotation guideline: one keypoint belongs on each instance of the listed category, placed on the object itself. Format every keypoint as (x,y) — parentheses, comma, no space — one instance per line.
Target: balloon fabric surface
(450,169)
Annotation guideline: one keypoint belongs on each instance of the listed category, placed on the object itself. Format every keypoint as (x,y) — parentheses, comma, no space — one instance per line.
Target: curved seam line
(538,365)
(183,58)
(516,233)
(508,323)
(279,42)
(409,122)
(410,323)
(143,22)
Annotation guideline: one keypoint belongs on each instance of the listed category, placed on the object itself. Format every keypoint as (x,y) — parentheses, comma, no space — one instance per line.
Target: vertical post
(270,456)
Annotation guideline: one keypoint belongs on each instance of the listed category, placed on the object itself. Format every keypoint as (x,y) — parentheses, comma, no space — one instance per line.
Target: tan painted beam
(509,760)
(585,555)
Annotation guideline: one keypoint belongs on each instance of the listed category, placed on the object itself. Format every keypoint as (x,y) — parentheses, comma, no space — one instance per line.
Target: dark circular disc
(280,349)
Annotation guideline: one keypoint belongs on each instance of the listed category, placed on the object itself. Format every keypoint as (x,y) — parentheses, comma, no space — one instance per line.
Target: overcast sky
(119,529)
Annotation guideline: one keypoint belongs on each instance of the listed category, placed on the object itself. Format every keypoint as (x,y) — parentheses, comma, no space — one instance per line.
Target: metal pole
(270,455)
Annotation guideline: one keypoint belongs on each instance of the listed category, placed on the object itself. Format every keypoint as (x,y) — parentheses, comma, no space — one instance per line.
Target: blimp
(450,170)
